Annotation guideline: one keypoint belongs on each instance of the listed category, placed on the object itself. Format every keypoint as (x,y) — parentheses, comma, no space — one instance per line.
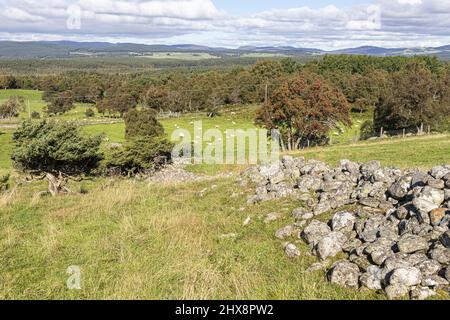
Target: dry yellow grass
(135,241)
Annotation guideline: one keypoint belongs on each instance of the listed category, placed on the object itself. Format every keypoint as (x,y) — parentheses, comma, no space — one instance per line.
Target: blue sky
(323,24)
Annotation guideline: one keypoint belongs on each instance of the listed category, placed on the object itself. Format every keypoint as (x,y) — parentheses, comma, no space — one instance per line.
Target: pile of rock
(396,236)
(172,174)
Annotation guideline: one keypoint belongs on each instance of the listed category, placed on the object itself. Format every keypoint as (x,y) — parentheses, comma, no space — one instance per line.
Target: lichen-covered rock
(415,258)
(423,205)
(300,214)
(343,221)
(396,291)
(422,293)
(400,188)
(429,267)
(419,179)
(330,245)
(436,183)
(440,172)
(447,194)
(361,261)
(292,251)
(372,278)
(410,243)
(369,168)
(284,232)
(315,231)
(345,273)
(351,244)
(409,276)
(441,254)
(434,281)
(369,202)
(309,183)
(322,207)
(432,195)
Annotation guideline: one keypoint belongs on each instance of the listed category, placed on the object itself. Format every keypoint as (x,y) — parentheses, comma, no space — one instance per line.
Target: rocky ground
(177,173)
(391,225)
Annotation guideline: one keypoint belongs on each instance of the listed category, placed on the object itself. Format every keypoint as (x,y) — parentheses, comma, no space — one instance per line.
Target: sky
(322,24)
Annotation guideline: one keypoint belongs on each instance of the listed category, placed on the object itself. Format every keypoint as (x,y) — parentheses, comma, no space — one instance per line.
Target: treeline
(117,65)
(405,93)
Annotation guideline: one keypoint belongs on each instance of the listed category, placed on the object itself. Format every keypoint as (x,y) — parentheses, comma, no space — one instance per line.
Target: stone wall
(392,224)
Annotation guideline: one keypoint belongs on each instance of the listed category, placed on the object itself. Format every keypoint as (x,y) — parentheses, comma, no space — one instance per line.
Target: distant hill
(67,49)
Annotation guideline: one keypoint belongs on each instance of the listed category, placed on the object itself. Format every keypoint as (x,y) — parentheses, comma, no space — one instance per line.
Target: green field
(34,102)
(263,55)
(117,232)
(5,150)
(423,152)
(188,56)
(114,129)
(135,240)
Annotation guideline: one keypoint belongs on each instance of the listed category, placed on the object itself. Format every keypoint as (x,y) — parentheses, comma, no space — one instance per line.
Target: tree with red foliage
(304,109)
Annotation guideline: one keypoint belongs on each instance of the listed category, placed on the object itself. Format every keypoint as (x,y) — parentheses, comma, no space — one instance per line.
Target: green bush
(146,149)
(140,155)
(4,182)
(367,130)
(89,113)
(35,115)
(142,123)
(11,107)
(55,147)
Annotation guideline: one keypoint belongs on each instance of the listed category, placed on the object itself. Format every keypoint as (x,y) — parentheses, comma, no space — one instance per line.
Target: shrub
(140,155)
(56,149)
(35,115)
(142,123)
(4,182)
(12,107)
(146,149)
(367,130)
(89,113)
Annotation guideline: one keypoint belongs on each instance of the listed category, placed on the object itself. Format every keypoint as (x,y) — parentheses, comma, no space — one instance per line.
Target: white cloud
(390,23)
(183,9)
(410,2)
(17,14)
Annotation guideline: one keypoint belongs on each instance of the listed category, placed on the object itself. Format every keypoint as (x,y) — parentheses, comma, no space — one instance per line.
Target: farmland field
(117,231)
(225,151)
(130,222)
(180,56)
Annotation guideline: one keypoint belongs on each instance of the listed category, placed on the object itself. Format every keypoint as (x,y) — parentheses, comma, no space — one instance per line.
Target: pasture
(135,240)
(186,56)
(117,232)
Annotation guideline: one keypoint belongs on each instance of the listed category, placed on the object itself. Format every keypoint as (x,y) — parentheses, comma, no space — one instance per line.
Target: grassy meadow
(187,56)
(136,240)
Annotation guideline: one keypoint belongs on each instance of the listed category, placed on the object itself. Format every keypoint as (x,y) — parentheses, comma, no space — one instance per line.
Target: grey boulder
(345,274)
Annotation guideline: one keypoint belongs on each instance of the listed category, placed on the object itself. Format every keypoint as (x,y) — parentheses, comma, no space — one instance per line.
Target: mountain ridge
(67,49)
